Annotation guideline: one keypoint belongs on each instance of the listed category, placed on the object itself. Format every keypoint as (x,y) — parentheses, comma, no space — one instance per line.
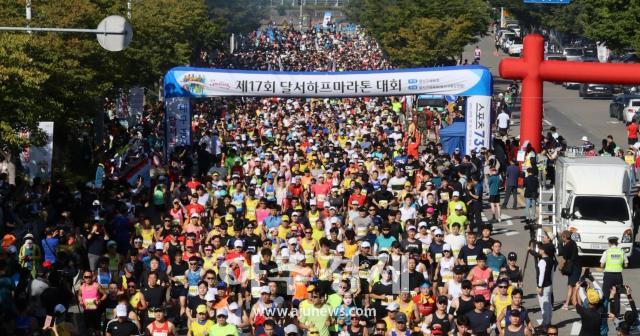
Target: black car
(596,90)
(619,103)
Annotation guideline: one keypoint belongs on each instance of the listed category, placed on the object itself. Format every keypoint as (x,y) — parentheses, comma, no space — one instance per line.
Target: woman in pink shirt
(90,295)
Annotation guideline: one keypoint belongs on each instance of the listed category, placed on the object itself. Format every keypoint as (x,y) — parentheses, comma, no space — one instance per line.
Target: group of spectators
(285,217)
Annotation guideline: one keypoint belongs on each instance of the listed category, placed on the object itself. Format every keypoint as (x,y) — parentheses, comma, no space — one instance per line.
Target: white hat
(210,296)
(96,203)
(456,193)
(340,248)
(292,241)
(233,306)
(411,227)
(458,206)
(393,306)
(221,312)
(238,243)
(284,253)
(121,310)
(437,232)
(446,247)
(313,202)
(159,246)
(584,138)
(334,220)
(264,289)
(365,244)
(290,329)
(421,224)
(59,309)
(298,257)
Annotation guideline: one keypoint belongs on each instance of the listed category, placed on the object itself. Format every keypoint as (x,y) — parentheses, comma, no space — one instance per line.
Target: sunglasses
(438,235)
(466,287)
(502,287)
(193,264)
(87,276)
(381,329)
(208,278)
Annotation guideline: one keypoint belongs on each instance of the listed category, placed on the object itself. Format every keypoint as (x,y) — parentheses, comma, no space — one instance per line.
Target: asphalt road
(574,117)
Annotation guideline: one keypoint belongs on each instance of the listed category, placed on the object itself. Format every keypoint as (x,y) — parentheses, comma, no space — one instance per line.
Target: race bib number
(193,290)
(495,274)
(90,304)
(159,333)
(486,251)
(383,203)
(151,314)
(109,314)
(472,260)
(179,279)
(438,257)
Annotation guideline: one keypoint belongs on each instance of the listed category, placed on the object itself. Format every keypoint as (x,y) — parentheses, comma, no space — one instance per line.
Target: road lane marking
(579,124)
(511,233)
(575,328)
(547,122)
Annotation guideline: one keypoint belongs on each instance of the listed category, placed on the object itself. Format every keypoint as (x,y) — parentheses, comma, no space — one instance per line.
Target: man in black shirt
(122,325)
(410,244)
(469,253)
(415,278)
(570,267)
(154,295)
(480,318)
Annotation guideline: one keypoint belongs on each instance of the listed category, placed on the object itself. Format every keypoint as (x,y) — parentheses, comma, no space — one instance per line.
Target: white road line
(579,124)
(546,122)
(511,233)
(575,328)
(613,122)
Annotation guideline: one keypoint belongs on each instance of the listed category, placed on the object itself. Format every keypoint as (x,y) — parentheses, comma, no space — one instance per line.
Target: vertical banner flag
(478,123)
(326,20)
(178,123)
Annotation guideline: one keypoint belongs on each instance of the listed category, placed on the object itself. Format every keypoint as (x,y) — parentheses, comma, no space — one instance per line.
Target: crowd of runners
(286,217)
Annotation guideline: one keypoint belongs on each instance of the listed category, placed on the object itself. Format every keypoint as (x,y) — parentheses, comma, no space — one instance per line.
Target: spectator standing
(570,267)
(632,133)
(494,194)
(511,188)
(544,283)
(531,185)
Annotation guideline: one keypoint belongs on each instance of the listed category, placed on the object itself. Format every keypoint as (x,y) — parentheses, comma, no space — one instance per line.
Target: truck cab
(594,197)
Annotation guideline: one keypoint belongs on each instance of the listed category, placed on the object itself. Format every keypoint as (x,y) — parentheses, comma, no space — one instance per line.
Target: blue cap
(426,284)
(221,284)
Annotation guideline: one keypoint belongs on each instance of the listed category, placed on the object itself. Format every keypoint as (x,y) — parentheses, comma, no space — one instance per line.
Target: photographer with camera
(592,311)
(613,260)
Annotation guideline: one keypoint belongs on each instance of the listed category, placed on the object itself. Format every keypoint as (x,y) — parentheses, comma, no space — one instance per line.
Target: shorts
(178,291)
(494,198)
(632,141)
(573,278)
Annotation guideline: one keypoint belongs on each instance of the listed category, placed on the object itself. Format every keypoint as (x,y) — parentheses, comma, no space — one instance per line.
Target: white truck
(593,200)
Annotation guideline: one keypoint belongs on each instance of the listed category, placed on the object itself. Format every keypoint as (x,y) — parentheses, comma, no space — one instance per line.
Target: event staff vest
(614,260)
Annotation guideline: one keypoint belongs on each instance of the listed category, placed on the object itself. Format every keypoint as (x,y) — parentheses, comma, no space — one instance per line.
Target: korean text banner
(177,123)
(199,82)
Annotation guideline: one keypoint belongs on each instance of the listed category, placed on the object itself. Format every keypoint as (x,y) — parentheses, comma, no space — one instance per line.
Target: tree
(63,77)
(237,16)
(421,32)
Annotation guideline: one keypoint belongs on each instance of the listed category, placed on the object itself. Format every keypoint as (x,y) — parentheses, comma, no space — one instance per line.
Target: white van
(593,201)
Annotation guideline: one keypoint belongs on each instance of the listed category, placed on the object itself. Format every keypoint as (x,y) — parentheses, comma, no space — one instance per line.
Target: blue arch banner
(472,81)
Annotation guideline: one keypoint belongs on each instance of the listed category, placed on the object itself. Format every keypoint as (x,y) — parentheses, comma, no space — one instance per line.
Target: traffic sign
(556,2)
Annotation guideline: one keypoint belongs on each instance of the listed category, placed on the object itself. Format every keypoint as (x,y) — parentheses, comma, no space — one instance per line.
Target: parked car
(506,40)
(515,28)
(627,58)
(596,90)
(621,107)
(555,57)
(573,54)
(515,49)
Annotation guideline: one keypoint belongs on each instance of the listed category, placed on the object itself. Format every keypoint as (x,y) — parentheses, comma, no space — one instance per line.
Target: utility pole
(300,3)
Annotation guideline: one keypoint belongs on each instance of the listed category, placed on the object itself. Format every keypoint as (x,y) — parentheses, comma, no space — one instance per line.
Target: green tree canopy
(421,32)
